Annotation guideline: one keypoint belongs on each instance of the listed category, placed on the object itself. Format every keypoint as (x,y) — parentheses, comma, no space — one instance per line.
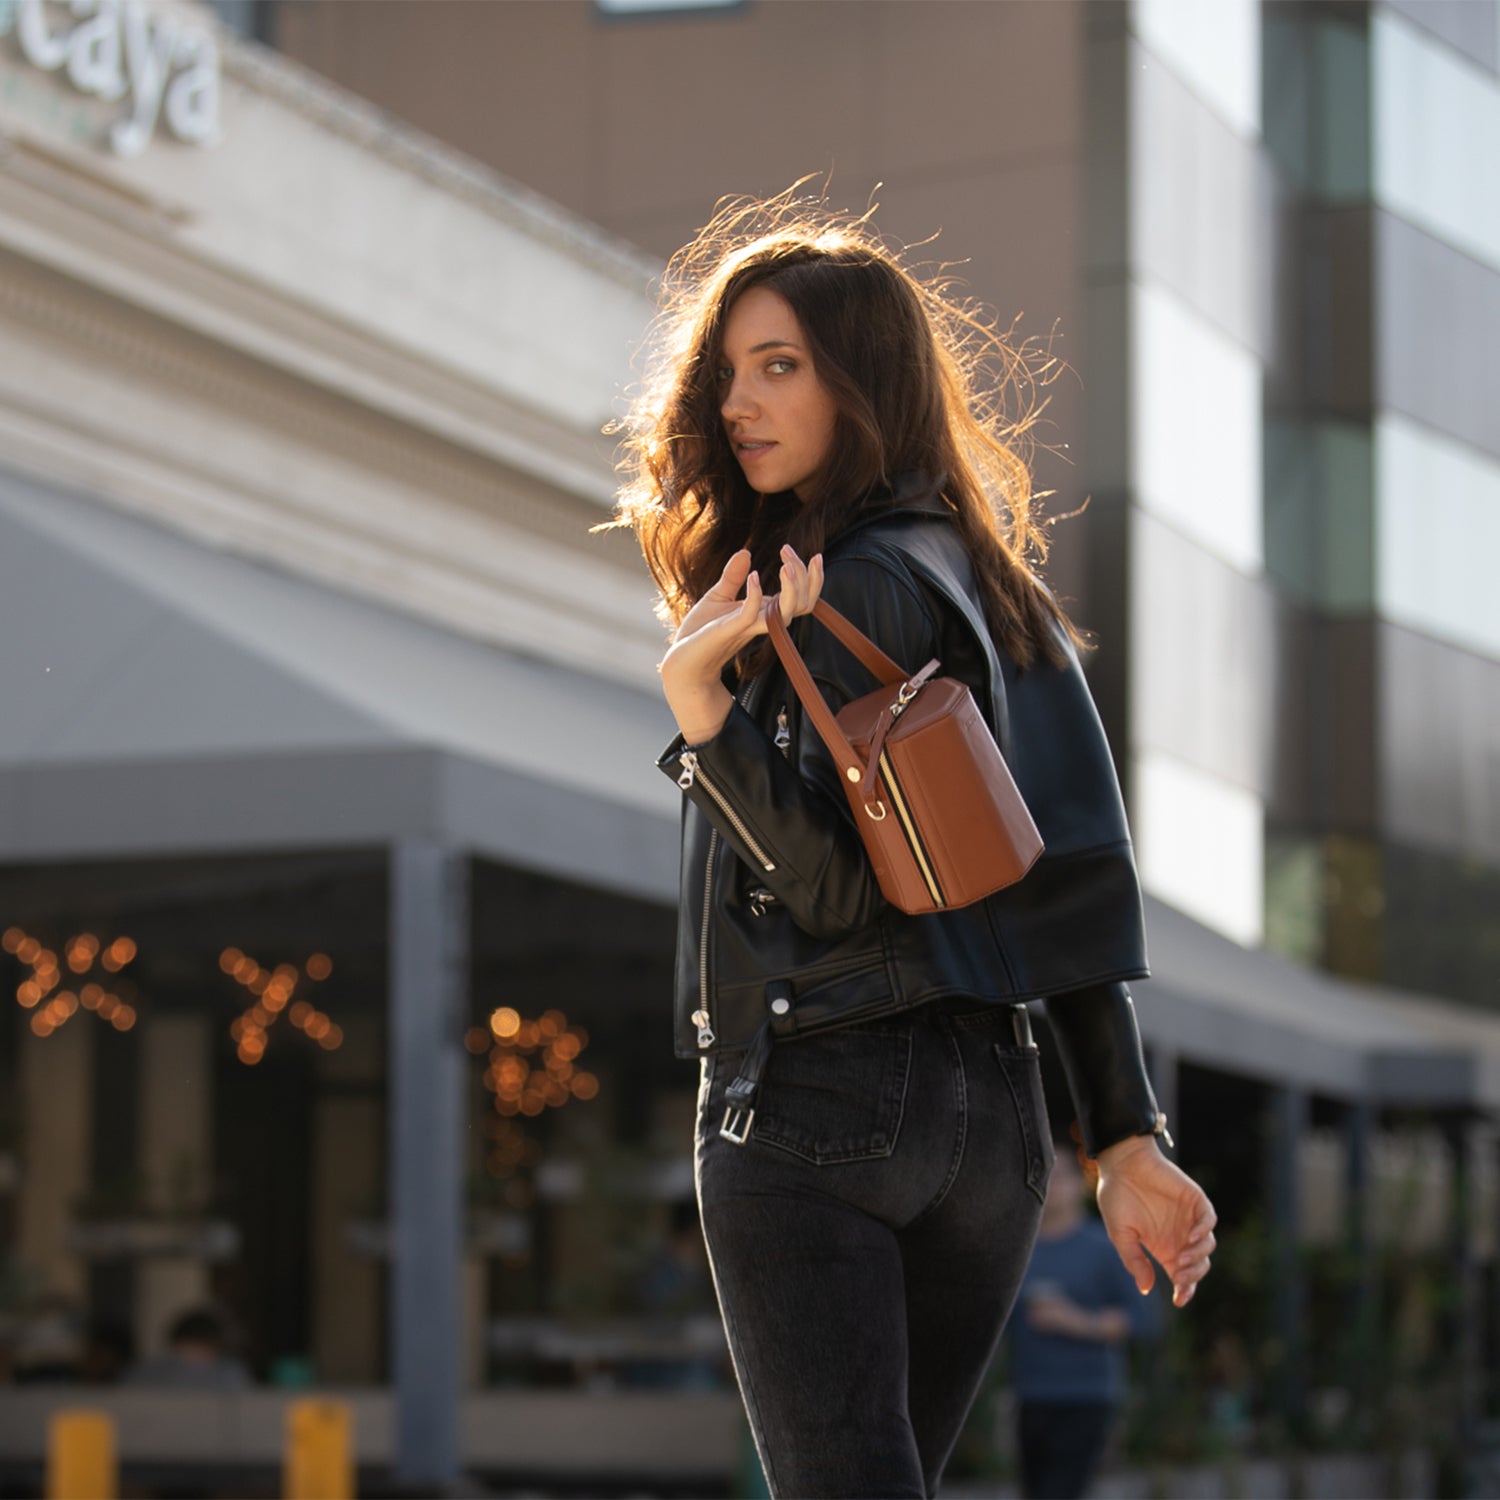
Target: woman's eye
(781,366)
(723,374)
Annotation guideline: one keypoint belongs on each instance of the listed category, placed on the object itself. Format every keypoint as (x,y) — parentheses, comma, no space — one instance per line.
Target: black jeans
(868,1239)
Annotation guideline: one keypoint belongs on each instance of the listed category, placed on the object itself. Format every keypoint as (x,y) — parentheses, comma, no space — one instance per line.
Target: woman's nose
(735,405)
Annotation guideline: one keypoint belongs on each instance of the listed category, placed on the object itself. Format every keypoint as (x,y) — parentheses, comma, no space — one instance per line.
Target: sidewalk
(1326,1476)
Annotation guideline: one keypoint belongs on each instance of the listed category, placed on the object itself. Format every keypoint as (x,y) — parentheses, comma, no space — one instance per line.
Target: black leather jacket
(782,924)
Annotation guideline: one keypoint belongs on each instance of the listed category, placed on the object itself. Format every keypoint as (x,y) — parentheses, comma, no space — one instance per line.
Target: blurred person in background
(1078,1307)
(872,1147)
(197,1356)
(48,1347)
(108,1352)
(675,1291)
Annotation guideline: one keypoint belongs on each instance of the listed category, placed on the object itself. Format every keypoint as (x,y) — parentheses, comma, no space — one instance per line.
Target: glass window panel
(1319,513)
(1438,508)
(1215,48)
(1199,841)
(1437,136)
(1195,402)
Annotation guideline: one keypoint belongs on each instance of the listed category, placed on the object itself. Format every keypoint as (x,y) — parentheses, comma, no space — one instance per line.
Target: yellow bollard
(81,1456)
(319,1451)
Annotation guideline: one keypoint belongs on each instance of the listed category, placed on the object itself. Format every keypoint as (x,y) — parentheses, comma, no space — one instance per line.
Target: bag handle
(854,640)
(869,654)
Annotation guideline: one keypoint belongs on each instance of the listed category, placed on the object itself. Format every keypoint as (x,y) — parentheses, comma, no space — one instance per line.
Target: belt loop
(1020,1020)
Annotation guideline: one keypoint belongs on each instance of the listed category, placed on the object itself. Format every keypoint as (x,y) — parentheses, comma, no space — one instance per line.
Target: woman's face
(777,414)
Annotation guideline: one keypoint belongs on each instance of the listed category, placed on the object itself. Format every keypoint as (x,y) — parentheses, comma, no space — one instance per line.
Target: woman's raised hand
(718,627)
(1150,1204)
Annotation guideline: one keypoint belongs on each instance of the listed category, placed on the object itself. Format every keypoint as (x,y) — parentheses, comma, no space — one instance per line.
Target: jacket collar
(910,493)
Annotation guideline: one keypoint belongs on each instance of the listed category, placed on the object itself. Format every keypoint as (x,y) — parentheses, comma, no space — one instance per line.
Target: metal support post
(1362,1316)
(429,922)
(1288,1114)
(1467,1316)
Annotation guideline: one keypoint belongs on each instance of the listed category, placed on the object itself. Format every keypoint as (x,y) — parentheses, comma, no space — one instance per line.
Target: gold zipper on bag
(898,801)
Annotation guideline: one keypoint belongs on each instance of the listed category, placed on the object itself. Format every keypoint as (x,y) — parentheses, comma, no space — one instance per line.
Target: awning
(1254,1013)
(165,697)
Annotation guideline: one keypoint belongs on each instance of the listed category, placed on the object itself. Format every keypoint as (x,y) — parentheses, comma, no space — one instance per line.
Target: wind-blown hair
(919,379)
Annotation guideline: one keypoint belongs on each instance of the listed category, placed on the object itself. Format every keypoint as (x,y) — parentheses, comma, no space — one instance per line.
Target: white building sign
(118,50)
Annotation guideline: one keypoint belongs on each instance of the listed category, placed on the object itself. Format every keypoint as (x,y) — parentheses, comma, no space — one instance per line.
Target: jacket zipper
(898,800)
(689,758)
(760,900)
(783,732)
(700,1016)
(691,773)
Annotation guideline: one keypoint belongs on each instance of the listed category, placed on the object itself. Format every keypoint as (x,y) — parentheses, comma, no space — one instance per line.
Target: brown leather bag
(933,799)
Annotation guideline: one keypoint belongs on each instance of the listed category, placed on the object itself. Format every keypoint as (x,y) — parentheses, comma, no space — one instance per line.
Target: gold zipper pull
(706,1036)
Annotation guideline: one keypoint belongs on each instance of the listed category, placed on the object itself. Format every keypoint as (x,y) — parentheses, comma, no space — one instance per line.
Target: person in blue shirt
(1077,1308)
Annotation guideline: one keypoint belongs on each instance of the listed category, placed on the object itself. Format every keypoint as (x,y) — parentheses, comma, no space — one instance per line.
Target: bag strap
(858,643)
(869,654)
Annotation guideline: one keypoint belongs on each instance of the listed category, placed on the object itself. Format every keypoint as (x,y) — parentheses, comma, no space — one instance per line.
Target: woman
(872,1147)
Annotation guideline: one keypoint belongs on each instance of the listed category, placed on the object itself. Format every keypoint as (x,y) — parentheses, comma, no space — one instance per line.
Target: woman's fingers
(1186,1280)
(814,580)
(1132,1252)
(801,583)
(751,612)
(734,576)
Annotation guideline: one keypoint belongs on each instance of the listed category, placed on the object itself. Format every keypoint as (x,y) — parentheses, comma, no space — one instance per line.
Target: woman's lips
(749,448)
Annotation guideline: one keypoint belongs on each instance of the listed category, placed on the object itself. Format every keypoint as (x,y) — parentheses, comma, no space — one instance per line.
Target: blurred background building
(336,879)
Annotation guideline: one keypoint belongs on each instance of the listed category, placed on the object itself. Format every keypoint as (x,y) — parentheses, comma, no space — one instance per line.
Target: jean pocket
(835,1096)
(1022,1069)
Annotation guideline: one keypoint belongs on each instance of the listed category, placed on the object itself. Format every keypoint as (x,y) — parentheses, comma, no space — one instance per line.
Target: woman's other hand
(718,627)
(1150,1204)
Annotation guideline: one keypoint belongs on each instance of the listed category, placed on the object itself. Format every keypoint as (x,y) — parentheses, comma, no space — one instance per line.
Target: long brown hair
(920,380)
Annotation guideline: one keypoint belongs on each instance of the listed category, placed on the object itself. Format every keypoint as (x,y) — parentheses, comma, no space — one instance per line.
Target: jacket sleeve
(1099,1044)
(788,819)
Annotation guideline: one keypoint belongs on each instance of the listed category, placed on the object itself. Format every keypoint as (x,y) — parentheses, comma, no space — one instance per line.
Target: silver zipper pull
(689,759)
(783,732)
(705,1031)
(760,899)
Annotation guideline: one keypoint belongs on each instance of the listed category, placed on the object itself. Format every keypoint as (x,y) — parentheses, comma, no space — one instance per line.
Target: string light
(530,1066)
(272,990)
(80,953)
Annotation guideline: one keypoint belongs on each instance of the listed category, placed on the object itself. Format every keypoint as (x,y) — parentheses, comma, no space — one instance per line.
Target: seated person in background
(1077,1307)
(197,1357)
(48,1342)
